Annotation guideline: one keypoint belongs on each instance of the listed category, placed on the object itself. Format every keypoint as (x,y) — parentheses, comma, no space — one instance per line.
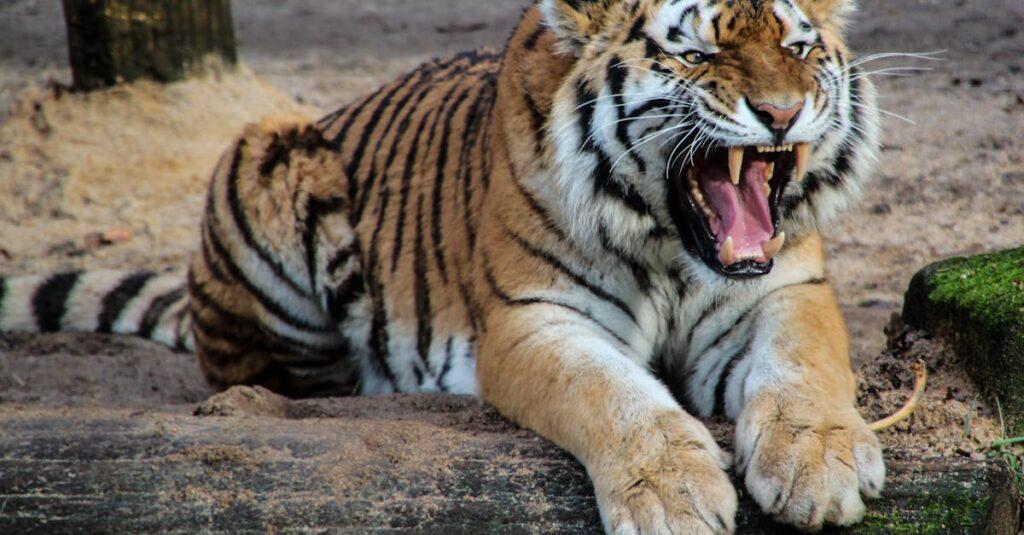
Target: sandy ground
(133,162)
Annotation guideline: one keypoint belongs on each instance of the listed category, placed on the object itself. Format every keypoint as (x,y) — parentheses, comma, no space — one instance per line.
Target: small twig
(920,380)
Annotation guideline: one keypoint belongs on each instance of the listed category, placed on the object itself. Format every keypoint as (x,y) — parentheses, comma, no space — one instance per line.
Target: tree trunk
(424,464)
(114,41)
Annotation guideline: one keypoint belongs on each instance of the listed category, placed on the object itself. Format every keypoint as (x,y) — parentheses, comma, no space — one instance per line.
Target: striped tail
(147,304)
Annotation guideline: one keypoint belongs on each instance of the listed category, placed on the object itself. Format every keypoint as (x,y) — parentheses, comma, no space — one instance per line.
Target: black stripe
(742,318)
(371,126)
(3,291)
(156,310)
(439,176)
(580,280)
(405,188)
(341,256)
(722,335)
(316,209)
(721,339)
(616,79)
(636,32)
(649,106)
(242,222)
(447,366)
(421,89)
(540,211)
(324,123)
(841,165)
(723,378)
(537,121)
(473,311)
(378,341)
(471,134)
(269,304)
(488,125)
(604,182)
(49,304)
(208,259)
(344,295)
(424,328)
(432,75)
(508,300)
(115,302)
(714,306)
(653,50)
(277,153)
(531,40)
(640,272)
(244,331)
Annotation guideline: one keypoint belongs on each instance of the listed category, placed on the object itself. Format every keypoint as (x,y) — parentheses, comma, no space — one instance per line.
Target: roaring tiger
(614,218)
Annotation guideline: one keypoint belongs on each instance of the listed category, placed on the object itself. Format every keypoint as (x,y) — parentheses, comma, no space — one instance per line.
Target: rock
(420,464)
(976,305)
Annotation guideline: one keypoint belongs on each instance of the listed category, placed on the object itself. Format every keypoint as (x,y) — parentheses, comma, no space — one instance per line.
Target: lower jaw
(745,269)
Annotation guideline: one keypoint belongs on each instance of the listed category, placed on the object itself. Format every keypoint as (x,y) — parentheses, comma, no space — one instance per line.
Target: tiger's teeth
(727,253)
(735,164)
(773,246)
(803,155)
(769,171)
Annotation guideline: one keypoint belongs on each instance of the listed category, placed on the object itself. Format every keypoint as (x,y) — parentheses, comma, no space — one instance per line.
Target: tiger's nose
(776,117)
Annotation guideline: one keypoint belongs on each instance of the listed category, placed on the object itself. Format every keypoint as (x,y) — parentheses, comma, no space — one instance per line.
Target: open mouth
(725,205)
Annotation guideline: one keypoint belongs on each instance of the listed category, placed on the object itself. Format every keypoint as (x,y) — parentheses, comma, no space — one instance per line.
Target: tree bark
(430,464)
(114,41)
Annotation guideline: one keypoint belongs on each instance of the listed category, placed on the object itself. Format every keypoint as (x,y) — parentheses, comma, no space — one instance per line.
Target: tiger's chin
(725,204)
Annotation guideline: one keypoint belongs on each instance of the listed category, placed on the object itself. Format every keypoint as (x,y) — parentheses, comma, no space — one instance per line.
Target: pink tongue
(742,210)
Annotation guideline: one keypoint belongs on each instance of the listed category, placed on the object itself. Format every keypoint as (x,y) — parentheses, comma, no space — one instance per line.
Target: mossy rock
(976,304)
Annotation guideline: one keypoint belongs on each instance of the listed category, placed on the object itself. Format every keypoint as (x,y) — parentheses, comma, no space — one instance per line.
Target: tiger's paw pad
(810,471)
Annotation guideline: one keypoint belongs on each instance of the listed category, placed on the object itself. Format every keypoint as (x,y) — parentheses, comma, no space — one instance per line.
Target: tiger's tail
(141,303)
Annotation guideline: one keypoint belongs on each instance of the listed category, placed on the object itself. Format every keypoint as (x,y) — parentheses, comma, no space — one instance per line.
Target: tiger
(609,230)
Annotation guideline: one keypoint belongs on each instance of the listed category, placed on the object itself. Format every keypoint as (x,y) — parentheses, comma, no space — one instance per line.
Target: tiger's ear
(835,13)
(575,22)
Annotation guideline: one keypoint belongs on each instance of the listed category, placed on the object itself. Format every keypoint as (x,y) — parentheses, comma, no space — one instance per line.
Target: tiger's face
(722,108)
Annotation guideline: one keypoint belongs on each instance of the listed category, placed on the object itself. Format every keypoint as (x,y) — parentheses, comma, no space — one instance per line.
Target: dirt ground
(132,162)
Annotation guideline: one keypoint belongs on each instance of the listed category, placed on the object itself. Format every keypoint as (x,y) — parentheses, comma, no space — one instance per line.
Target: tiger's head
(735,121)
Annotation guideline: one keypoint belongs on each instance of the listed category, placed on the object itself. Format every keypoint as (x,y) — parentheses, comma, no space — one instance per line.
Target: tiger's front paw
(808,464)
(671,483)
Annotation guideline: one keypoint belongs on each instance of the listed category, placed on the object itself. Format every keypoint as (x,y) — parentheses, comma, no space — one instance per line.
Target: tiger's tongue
(742,210)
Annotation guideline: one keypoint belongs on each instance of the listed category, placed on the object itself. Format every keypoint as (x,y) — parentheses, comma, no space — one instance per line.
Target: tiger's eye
(696,57)
(799,50)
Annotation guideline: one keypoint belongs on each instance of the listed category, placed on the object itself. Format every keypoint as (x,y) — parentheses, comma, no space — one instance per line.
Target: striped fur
(502,224)
(147,304)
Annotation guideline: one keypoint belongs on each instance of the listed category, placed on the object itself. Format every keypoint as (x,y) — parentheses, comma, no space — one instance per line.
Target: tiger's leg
(655,468)
(806,453)
(275,270)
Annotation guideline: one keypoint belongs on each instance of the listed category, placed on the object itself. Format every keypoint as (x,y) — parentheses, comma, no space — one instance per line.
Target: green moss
(928,513)
(989,287)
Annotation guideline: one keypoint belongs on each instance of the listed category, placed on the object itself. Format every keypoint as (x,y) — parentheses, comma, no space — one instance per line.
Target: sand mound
(135,157)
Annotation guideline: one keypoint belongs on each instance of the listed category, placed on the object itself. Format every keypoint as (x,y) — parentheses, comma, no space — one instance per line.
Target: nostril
(778,117)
